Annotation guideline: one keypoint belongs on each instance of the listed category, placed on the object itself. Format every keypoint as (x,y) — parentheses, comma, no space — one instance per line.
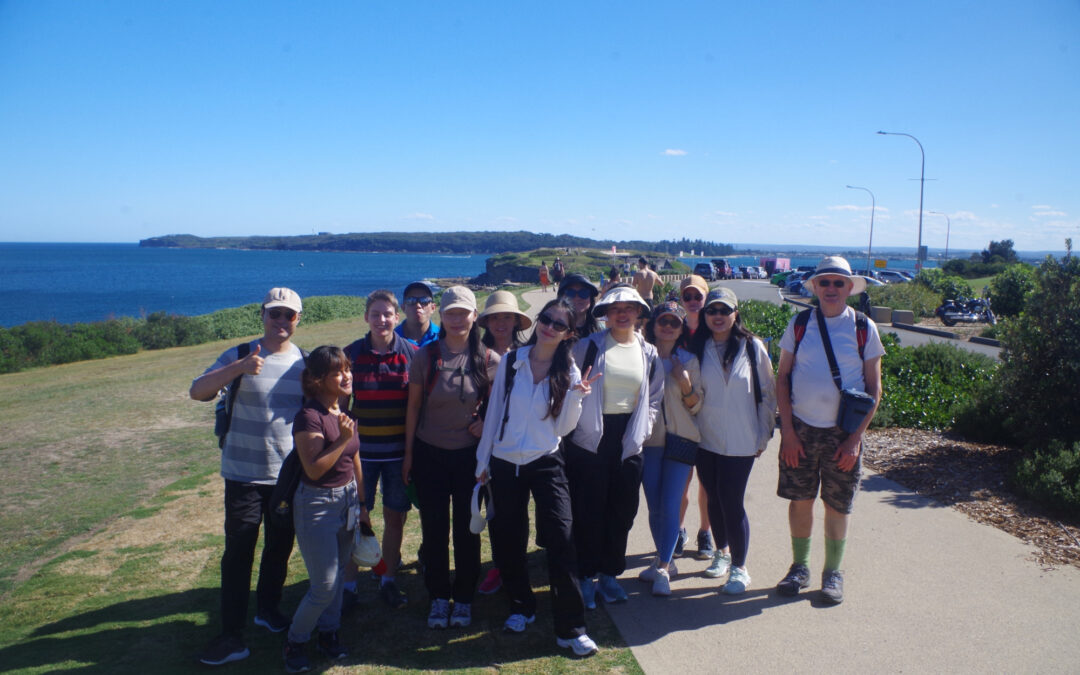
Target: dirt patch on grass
(972,478)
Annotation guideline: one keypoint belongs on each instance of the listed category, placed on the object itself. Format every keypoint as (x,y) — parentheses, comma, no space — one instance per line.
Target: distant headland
(435,242)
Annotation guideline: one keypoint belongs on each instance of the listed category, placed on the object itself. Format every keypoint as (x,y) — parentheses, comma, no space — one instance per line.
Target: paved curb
(925,331)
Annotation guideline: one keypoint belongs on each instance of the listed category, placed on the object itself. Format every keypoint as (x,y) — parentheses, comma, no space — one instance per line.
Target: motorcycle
(961,310)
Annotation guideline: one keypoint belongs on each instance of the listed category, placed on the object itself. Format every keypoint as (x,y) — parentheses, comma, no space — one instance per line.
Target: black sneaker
(832,586)
(224,649)
(705,548)
(680,543)
(272,620)
(296,661)
(798,578)
(330,645)
(392,595)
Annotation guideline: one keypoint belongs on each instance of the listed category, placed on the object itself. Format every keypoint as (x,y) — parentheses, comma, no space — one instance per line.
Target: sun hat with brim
(503,302)
(455,297)
(669,307)
(834,265)
(579,280)
(619,294)
(724,296)
(694,281)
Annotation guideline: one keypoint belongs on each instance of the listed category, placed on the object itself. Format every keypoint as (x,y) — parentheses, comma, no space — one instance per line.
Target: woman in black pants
(448,384)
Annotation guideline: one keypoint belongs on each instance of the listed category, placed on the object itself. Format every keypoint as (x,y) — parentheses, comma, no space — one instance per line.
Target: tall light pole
(948,228)
(922,182)
(873,207)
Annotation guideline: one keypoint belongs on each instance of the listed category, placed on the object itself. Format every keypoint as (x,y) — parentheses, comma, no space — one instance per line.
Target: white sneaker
(517,623)
(719,566)
(582,645)
(738,582)
(661,584)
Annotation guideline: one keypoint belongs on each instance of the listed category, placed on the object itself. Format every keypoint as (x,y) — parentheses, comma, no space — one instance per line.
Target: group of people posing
(606,396)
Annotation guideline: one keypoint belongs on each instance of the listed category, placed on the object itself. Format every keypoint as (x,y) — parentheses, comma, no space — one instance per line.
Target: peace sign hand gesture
(585,386)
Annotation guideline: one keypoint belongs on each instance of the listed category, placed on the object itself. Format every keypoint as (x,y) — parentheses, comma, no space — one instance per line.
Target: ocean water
(92,282)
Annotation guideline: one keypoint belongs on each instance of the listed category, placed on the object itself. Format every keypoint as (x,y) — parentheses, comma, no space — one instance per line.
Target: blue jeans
(664,481)
(321,517)
(394,496)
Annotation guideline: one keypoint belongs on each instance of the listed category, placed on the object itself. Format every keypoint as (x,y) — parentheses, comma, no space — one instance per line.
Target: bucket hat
(579,280)
(503,302)
(837,266)
(619,294)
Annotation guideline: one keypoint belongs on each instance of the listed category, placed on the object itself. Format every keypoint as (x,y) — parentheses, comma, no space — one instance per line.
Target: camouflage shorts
(818,467)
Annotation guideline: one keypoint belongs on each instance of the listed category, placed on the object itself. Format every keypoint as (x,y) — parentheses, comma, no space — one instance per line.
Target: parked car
(779,278)
(755,272)
(706,271)
(723,268)
(892,277)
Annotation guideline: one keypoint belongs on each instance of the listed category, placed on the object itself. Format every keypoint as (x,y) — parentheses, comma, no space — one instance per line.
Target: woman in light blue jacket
(736,422)
(603,454)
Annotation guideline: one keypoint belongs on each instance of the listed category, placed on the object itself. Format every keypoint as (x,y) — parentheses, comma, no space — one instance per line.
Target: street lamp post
(922,182)
(948,229)
(873,207)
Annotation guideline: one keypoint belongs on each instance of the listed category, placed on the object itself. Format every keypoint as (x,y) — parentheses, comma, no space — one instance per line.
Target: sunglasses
(276,314)
(557,326)
(669,322)
(416,300)
(692,297)
(825,283)
(722,310)
(576,293)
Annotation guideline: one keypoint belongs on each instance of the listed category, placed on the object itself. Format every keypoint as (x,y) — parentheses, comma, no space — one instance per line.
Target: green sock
(800,550)
(834,553)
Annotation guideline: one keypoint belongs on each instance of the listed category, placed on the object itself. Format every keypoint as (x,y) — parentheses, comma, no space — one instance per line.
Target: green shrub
(949,287)
(768,321)
(330,307)
(972,269)
(1052,477)
(926,386)
(916,297)
(1009,289)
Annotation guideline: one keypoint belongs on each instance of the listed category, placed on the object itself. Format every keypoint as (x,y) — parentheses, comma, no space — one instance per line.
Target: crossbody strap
(833,367)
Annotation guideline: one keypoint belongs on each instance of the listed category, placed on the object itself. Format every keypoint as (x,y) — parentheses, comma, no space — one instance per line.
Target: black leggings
(725,479)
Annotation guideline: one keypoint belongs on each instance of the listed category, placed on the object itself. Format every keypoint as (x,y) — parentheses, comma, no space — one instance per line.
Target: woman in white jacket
(535,400)
(736,422)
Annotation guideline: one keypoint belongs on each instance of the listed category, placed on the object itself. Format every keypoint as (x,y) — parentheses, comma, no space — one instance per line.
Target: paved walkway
(928,590)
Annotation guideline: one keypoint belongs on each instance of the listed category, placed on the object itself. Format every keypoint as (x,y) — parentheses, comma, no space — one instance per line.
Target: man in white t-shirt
(814,451)
(258,439)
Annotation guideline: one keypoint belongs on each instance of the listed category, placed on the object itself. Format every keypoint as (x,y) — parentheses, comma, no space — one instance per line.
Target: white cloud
(420,216)
(670,152)
(725,214)
(1041,207)
(1044,214)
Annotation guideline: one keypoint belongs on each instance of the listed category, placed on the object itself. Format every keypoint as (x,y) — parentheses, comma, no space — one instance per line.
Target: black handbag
(855,405)
(281,499)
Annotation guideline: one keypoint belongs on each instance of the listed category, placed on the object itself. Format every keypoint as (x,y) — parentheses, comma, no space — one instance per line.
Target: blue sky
(733,122)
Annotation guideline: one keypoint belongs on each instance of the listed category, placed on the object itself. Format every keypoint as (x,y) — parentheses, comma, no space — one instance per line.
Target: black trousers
(545,478)
(604,494)
(444,478)
(246,507)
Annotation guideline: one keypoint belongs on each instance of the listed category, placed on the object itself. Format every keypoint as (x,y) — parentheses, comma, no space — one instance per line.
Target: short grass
(110,511)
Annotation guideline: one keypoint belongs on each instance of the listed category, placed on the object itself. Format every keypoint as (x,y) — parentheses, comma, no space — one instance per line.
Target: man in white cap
(814,451)
(266,373)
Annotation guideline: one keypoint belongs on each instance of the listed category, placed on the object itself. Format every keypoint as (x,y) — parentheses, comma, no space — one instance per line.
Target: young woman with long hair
(503,322)
(736,422)
(519,452)
(326,444)
(603,454)
(671,450)
(582,296)
(449,382)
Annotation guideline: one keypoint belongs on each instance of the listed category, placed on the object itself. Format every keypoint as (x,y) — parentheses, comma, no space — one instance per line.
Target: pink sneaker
(491,583)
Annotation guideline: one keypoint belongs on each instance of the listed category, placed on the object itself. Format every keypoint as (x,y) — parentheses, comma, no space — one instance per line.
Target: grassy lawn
(110,510)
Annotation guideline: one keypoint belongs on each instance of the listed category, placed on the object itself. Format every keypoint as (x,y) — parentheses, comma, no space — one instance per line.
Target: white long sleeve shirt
(731,423)
(530,432)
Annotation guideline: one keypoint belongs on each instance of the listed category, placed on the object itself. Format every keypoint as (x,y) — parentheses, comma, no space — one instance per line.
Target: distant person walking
(603,454)
(645,280)
(259,437)
(545,280)
(814,451)
(736,422)
(535,401)
(326,506)
(418,328)
(449,383)
(558,272)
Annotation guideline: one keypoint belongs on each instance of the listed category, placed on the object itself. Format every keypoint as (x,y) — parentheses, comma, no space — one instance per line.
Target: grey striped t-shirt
(260,434)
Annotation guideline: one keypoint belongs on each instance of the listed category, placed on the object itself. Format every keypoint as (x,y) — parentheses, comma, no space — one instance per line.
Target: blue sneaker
(610,590)
(588,593)
(680,543)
